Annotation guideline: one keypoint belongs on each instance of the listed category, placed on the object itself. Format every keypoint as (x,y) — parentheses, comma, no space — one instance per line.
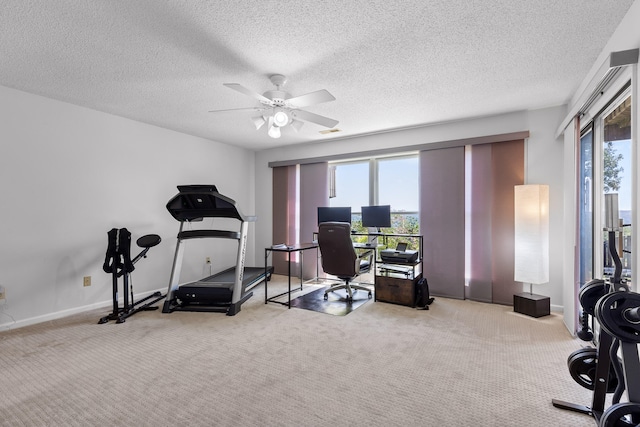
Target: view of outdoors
(586,207)
(617,168)
(385,181)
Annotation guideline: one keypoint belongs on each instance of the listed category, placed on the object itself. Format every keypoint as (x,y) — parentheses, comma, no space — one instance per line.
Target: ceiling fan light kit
(280,117)
(258,121)
(274,132)
(296,125)
(279,109)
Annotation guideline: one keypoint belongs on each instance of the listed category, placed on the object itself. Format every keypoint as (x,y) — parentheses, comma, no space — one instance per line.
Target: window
(616,178)
(585,208)
(351,185)
(380,181)
(606,167)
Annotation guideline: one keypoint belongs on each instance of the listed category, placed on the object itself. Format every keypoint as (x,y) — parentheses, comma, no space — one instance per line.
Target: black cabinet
(532,304)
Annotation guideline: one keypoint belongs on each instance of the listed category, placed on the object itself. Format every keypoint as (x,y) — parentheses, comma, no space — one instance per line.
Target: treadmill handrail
(199,201)
(200,234)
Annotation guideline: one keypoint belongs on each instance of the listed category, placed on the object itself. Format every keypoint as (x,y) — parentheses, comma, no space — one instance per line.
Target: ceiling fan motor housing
(278,80)
(277,97)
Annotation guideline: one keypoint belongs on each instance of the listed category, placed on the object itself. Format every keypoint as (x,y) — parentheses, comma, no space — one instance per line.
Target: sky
(398,184)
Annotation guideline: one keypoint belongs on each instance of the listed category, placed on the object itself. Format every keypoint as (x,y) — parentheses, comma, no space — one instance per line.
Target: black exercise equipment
(618,312)
(227,290)
(118,262)
(585,333)
(619,315)
(582,365)
(601,370)
(620,415)
(589,295)
(602,374)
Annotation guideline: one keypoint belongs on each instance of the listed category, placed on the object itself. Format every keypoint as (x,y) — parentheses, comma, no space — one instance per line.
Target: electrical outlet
(86,281)
(208,260)
(3,293)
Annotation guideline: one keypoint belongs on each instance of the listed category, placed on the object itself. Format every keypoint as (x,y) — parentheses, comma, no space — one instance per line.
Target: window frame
(619,90)
(374,189)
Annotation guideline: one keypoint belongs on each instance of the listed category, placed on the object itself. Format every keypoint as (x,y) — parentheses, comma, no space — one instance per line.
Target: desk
(301,247)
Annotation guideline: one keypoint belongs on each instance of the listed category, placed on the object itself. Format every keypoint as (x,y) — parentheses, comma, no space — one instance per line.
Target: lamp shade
(531,204)
(258,121)
(274,132)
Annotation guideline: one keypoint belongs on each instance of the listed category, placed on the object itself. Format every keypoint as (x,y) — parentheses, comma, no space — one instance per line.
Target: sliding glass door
(606,166)
(585,208)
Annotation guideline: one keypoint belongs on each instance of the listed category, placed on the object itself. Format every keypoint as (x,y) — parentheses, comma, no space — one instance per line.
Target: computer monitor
(376,216)
(334,214)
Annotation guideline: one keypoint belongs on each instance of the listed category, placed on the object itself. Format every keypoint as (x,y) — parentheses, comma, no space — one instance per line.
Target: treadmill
(226,290)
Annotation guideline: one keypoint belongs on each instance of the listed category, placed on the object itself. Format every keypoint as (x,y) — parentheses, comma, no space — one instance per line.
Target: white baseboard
(557,308)
(64,313)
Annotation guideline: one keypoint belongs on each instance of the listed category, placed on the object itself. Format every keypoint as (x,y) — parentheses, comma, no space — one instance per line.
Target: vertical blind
(284,213)
(507,169)
(442,220)
(479,211)
(314,192)
(494,170)
(295,211)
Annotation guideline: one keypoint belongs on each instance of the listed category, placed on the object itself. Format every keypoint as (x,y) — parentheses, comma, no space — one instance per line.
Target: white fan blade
(314,118)
(312,98)
(239,109)
(248,92)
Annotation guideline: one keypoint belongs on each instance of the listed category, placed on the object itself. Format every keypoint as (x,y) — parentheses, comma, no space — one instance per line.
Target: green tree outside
(612,169)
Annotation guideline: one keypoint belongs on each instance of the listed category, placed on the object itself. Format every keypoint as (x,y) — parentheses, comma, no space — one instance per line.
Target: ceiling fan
(279,109)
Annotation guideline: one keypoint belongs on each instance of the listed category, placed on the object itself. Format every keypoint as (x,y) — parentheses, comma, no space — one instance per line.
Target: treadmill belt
(226,278)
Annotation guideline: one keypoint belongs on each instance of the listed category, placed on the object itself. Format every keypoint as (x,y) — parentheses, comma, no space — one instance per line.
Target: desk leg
(301,267)
(289,276)
(266,256)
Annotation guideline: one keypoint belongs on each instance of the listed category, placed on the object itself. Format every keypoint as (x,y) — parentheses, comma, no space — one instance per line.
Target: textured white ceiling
(389,63)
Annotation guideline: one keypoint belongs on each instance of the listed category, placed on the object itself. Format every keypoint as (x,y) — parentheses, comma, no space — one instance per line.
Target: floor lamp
(531,219)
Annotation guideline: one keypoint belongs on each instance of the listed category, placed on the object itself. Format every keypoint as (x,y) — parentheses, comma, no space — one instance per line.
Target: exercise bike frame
(129,308)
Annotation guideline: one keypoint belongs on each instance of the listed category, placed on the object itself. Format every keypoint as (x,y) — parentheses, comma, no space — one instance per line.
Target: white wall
(544,166)
(69,174)
(545,157)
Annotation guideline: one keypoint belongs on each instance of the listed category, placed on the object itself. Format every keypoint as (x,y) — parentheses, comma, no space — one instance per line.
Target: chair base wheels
(349,298)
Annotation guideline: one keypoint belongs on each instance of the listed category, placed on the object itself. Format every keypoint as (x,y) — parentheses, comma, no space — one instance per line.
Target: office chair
(339,258)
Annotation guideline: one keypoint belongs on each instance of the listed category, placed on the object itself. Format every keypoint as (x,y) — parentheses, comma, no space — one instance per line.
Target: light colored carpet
(459,363)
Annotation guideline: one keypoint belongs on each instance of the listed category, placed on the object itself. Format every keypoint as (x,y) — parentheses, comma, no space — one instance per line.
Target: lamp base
(531,304)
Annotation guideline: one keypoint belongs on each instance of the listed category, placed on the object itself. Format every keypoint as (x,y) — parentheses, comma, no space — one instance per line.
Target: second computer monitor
(333,213)
(376,216)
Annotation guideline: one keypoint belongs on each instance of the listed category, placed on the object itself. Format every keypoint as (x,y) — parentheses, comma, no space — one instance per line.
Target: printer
(399,254)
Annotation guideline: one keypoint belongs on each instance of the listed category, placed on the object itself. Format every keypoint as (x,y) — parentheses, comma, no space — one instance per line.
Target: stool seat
(148,241)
